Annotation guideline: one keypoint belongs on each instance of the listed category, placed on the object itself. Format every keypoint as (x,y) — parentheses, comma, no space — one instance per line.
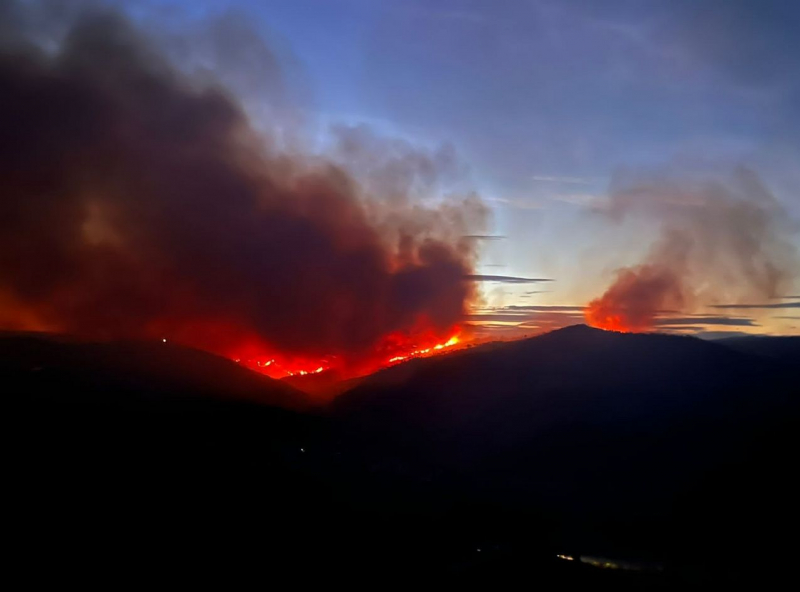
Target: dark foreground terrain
(668,460)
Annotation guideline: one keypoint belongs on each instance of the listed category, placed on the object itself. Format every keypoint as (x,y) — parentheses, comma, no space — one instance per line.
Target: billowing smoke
(139,202)
(718,241)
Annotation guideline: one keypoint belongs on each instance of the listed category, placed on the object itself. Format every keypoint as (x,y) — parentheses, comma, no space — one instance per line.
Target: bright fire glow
(423,352)
(403,348)
(598,316)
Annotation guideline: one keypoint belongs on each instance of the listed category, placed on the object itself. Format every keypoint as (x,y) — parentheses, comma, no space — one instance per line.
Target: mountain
(577,374)
(481,465)
(133,453)
(784,349)
(323,387)
(134,371)
(630,441)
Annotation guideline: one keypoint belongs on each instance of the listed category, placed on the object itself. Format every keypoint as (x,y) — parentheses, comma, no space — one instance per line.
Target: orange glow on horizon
(402,347)
(454,340)
(601,315)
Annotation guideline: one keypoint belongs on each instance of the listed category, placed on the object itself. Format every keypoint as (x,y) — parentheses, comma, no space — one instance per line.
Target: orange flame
(424,352)
(280,366)
(634,299)
(599,315)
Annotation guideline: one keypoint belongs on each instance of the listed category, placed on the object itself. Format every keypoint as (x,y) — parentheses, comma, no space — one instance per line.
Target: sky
(551,107)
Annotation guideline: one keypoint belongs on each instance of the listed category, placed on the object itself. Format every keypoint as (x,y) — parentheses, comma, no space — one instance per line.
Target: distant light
(479,550)
(302,450)
(164,340)
(566,557)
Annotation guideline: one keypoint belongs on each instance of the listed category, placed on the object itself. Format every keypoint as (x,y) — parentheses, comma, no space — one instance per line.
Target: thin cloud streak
(504,279)
(567,180)
(732,321)
(781,305)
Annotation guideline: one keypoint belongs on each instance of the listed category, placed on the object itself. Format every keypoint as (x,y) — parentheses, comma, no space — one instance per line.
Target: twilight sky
(551,107)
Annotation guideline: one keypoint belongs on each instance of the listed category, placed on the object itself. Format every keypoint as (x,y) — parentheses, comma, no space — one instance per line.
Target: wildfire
(600,316)
(277,366)
(284,369)
(633,300)
(424,352)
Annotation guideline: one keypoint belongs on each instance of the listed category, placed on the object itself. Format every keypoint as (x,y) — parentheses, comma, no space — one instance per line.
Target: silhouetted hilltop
(651,449)
(322,387)
(569,375)
(629,437)
(51,365)
(785,349)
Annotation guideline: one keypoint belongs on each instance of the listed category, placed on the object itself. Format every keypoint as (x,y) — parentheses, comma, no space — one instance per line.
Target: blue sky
(546,102)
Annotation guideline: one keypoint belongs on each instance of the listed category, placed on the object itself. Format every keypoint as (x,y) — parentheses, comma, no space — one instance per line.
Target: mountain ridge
(50,361)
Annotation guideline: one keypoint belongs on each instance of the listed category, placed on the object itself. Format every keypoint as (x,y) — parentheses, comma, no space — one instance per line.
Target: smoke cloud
(719,241)
(140,202)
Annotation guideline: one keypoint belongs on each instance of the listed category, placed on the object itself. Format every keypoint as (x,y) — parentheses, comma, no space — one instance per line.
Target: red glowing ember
(395,349)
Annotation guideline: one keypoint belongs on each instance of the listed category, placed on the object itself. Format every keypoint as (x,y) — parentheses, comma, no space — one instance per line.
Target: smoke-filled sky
(642,155)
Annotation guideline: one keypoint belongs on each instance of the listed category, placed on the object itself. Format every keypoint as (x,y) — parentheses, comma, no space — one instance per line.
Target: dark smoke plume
(718,242)
(137,202)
